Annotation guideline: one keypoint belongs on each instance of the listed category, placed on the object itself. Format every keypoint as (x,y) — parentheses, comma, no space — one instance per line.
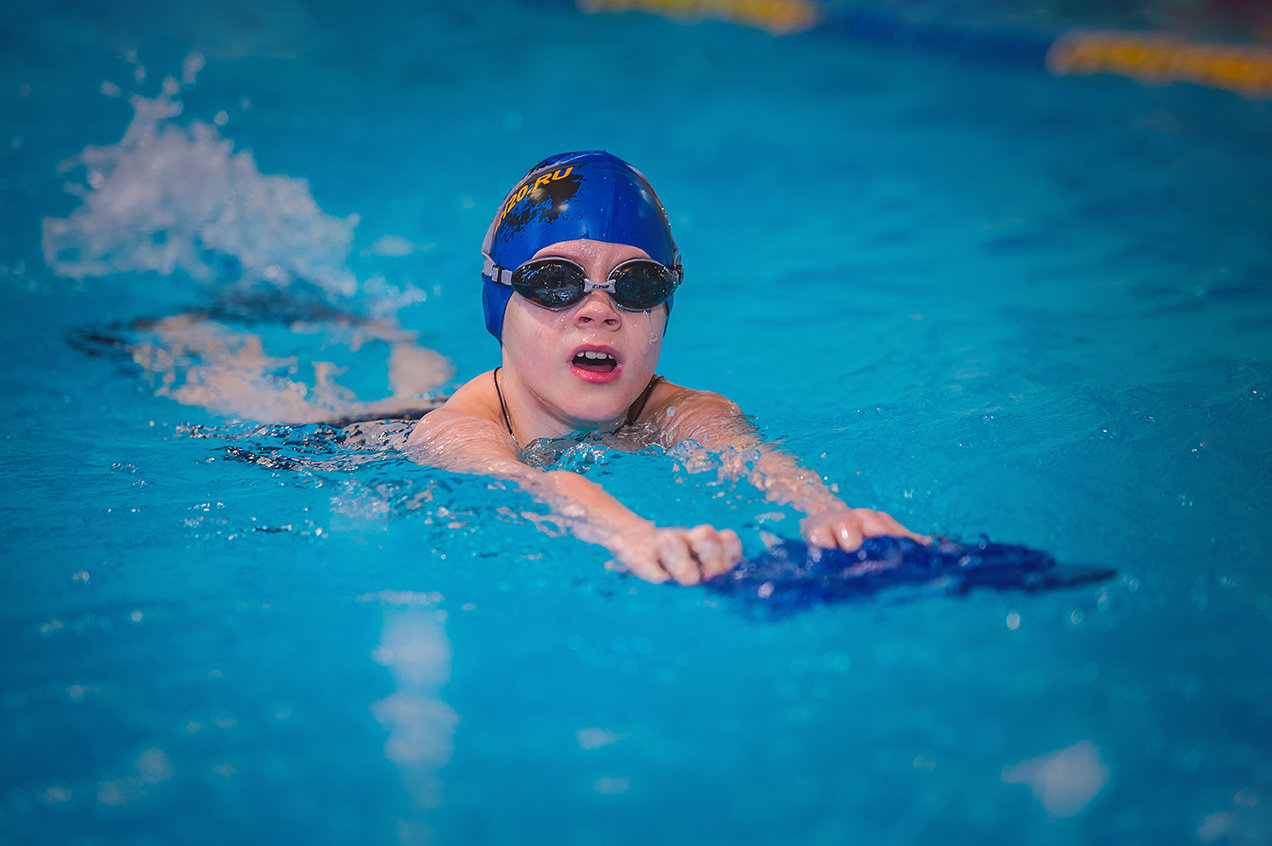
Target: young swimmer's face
(548,351)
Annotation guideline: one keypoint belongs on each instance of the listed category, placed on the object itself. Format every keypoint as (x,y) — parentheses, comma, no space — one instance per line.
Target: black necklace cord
(639,405)
(504,408)
(632,413)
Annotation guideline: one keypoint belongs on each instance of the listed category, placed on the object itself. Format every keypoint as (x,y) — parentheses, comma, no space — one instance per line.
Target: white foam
(177,199)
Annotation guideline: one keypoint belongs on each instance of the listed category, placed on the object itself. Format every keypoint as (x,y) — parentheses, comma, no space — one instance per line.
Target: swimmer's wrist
(624,528)
(608,522)
(822,505)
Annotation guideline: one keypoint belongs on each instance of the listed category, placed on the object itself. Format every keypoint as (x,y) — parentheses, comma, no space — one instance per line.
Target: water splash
(175,199)
(230,369)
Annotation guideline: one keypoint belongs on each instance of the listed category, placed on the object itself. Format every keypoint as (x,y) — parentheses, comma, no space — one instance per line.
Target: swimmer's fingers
(896,530)
(687,556)
(716,551)
(848,528)
(732,548)
(637,552)
(644,567)
(868,524)
(848,533)
(676,556)
(817,533)
(832,530)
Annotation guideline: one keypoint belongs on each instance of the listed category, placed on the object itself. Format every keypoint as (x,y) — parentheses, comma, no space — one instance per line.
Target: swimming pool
(979,297)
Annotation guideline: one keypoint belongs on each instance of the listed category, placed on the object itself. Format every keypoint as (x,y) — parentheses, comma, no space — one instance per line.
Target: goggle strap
(495,273)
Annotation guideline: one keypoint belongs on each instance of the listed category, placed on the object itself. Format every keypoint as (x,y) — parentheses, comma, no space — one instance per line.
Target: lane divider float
(1149,58)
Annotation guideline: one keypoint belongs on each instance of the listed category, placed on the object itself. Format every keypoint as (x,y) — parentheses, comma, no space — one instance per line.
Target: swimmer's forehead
(584,250)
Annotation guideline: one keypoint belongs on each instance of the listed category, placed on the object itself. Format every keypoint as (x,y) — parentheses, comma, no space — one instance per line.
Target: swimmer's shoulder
(678,412)
(668,396)
(474,403)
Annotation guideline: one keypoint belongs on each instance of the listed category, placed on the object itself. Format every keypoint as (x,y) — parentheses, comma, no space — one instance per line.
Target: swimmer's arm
(721,428)
(464,443)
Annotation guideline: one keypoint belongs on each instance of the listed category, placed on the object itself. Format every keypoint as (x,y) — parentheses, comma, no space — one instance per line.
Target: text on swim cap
(520,194)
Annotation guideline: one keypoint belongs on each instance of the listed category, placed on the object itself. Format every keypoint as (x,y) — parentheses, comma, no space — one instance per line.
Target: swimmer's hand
(845,528)
(687,556)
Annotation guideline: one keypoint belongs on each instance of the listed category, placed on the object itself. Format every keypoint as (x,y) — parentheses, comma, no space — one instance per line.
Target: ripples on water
(255,615)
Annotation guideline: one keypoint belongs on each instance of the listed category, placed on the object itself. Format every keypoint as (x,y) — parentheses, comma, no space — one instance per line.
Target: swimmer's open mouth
(595,361)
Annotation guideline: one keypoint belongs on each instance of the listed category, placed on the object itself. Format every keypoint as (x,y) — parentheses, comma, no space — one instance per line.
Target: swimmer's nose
(597,308)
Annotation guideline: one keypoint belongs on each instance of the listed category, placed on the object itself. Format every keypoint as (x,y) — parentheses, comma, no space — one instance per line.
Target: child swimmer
(580,271)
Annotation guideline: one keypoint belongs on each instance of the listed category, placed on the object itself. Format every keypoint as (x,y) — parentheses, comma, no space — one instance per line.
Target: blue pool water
(981,298)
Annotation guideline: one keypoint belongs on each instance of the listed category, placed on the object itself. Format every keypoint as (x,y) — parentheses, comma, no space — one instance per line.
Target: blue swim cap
(566,197)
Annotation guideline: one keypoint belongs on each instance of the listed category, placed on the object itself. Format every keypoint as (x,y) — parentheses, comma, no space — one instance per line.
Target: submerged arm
(720,427)
(464,443)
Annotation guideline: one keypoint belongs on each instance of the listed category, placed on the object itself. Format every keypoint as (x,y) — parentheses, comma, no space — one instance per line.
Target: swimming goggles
(558,283)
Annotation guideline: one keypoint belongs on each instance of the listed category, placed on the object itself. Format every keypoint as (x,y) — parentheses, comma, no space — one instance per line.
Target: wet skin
(552,388)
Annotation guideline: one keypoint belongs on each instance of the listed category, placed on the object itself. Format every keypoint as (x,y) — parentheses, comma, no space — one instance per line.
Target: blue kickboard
(791,576)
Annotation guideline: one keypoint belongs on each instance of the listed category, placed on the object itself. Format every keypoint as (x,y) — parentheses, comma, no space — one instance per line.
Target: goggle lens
(636,285)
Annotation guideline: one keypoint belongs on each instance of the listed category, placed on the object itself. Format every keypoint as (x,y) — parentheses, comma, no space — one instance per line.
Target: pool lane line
(779,17)
(1157,60)
(1147,57)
